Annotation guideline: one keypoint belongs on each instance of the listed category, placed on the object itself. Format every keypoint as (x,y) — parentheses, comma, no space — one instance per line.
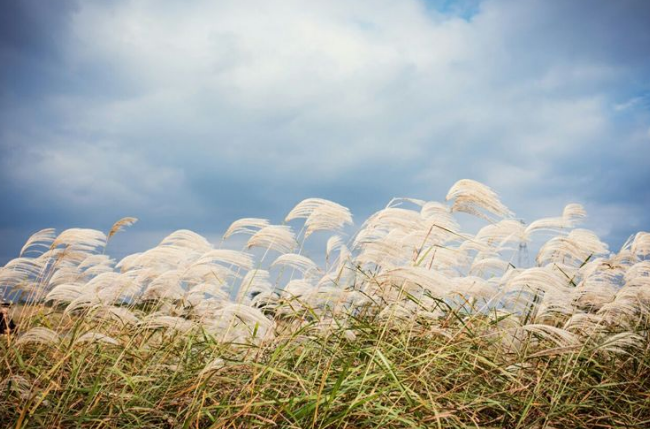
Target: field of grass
(410,323)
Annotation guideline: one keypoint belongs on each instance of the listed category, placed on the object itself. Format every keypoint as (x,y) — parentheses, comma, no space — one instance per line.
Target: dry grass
(415,324)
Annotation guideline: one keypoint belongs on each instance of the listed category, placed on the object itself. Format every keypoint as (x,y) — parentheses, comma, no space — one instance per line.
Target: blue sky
(191,114)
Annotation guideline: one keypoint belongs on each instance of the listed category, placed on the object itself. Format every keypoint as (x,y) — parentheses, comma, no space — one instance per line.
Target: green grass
(393,374)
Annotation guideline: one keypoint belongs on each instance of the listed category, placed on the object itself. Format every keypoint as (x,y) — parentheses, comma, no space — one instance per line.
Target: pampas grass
(409,322)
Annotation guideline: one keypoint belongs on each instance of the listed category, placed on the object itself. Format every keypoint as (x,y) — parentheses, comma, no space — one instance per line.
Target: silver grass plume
(39,335)
(471,197)
(274,237)
(120,225)
(248,226)
(42,238)
(320,215)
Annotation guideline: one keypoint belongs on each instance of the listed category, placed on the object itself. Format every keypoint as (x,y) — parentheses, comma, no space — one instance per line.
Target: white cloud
(293,95)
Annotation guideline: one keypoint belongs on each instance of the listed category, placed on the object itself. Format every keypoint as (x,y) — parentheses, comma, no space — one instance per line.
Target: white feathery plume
(474,287)
(110,287)
(330,298)
(80,240)
(20,270)
(296,288)
(198,301)
(198,291)
(65,293)
(632,299)
(619,311)
(96,270)
(588,241)
(413,277)
(120,225)
(187,239)
(489,265)
(275,237)
(474,247)
(96,260)
(255,281)
(39,335)
(539,279)
(502,232)
(166,257)
(640,269)
(330,279)
(559,336)
(142,275)
(305,208)
(545,283)
(167,285)
(121,314)
(30,267)
(228,257)
(12,278)
(239,322)
(621,343)
(574,249)
(574,213)
(328,216)
(439,221)
(399,200)
(42,238)
(552,307)
(405,311)
(624,257)
(343,272)
(344,259)
(602,268)
(571,216)
(157,320)
(333,243)
(390,219)
(19,385)
(211,273)
(445,259)
(320,215)
(438,211)
(641,245)
(393,249)
(96,337)
(249,225)
(594,292)
(469,196)
(638,282)
(128,262)
(428,234)
(204,309)
(298,262)
(106,288)
(585,324)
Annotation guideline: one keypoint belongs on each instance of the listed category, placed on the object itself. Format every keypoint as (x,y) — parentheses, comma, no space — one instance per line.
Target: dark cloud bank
(193,114)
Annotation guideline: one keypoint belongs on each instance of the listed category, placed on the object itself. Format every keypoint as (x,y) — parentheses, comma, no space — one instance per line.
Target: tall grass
(410,322)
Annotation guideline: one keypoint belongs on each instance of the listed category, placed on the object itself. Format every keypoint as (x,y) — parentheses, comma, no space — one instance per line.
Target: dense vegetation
(409,323)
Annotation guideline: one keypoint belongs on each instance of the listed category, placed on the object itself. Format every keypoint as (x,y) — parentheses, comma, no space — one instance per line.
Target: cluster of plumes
(408,263)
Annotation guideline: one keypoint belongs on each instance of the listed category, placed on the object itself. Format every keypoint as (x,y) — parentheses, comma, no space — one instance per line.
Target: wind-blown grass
(411,322)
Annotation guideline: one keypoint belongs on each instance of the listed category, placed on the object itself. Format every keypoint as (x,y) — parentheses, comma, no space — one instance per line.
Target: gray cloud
(192,114)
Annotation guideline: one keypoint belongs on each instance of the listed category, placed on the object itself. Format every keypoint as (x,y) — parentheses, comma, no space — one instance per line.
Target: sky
(192,114)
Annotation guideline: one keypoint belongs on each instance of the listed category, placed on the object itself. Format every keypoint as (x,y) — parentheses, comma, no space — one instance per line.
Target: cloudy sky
(191,114)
